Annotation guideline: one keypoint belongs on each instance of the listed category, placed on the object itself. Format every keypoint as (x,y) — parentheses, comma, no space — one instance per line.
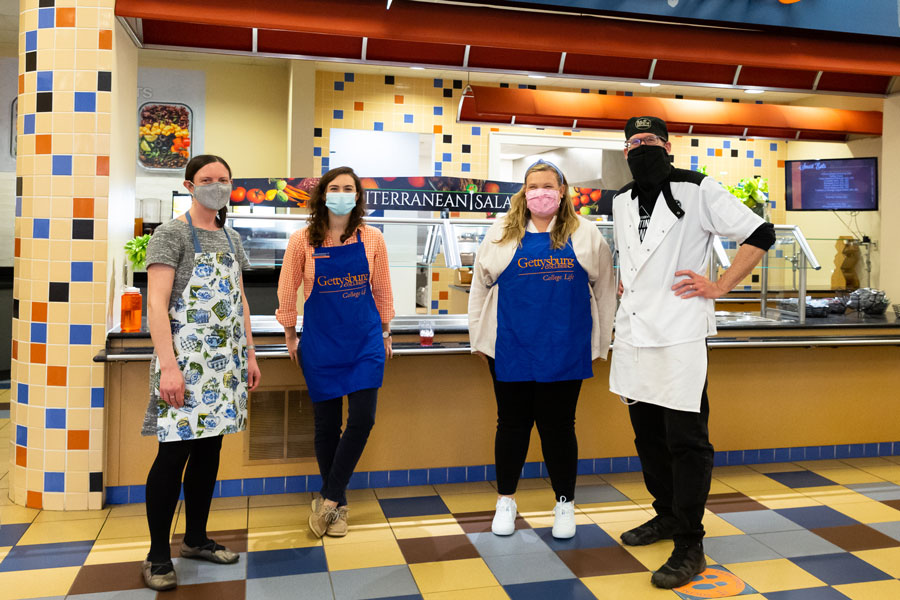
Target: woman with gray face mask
(203,366)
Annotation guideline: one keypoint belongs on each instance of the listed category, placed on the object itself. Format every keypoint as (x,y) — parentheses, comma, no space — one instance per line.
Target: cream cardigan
(593,255)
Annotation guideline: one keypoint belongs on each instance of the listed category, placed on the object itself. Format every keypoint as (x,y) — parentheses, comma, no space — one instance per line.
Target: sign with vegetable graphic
(456,194)
(164,136)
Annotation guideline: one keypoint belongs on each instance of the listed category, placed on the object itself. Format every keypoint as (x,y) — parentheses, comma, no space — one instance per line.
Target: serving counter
(781,386)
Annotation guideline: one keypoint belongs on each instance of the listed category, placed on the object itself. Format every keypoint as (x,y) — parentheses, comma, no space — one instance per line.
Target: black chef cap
(653,125)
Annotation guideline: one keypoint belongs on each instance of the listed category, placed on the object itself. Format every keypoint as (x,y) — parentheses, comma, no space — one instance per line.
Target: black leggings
(338,454)
(521,404)
(164,486)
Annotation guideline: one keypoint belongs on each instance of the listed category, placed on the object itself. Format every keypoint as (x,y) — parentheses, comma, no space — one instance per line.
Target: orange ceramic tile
(359,106)
(102,165)
(39,312)
(438,129)
(17,248)
(443,295)
(398,99)
(718,152)
(56,376)
(42,144)
(79,439)
(495,129)
(33,500)
(15,344)
(38,353)
(21,454)
(105,39)
(65,17)
(21,84)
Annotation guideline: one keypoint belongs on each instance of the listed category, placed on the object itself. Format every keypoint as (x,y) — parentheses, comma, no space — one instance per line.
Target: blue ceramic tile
(46,556)
(456,474)
(812,452)
(773,147)
(253,486)
(62,164)
(819,593)
(378,126)
(137,493)
(230,488)
(751,457)
(842,451)
(358,481)
(273,485)
(10,534)
(710,151)
(407,118)
(586,536)
(378,479)
(45,81)
(766,455)
(726,144)
(544,471)
(695,159)
(798,453)
(54,482)
(418,476)
(294,561)
(85,101)
(398,478)
(476,131)
(782,454)
(602,465)
(813,517)
(735,457)
(620,464)
(438,83)
(413,507)
(22,440)
(749,153)
(827,452)
(885,449)
(437,475)
(857,450)
(447,157)
(757,162)
(466,167)
(338,114)
(39,333)
(438,111)
(571,589)
(30,41)
(297,483)
(490,472)
(317,151)
(339,86)
(634,464)
(531,470)
(871,450)
(839,568)
(348,77)
(46,18)
(800,479)
(475,473)
(97,397)
(325,161)
(217,490)
(79,334)
(585,466)
(896,449)
(314,483)
(82,271)
(117,494)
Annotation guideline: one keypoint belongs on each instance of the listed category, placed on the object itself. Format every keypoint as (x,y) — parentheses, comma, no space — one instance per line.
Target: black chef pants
(677,460)
(521,405)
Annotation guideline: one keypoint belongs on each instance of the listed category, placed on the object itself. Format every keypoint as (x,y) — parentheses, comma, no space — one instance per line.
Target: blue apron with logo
(341,348)
(543,315)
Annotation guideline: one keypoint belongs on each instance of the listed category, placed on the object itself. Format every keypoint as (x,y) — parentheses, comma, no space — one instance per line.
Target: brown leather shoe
(339,527)
(321,516)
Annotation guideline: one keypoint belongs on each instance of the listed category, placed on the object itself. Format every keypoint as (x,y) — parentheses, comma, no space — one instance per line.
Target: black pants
(677,460)
(338,454)
(164,487)
(521,405)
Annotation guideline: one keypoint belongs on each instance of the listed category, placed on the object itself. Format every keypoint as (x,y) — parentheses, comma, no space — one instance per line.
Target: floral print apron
(211,350)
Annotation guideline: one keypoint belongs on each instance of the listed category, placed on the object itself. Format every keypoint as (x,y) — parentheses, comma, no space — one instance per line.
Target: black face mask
(649,165)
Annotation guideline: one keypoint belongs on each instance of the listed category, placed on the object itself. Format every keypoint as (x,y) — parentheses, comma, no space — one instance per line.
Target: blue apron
(341,348)
(543,315)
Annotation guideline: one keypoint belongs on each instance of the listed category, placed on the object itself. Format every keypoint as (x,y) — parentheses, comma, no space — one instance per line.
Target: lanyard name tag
(323,255)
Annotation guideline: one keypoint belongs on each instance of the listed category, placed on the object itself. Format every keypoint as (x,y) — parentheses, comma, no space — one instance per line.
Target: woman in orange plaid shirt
(342,265)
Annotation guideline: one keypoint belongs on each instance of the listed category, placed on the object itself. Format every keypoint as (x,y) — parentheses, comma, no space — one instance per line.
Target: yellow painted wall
(246,108)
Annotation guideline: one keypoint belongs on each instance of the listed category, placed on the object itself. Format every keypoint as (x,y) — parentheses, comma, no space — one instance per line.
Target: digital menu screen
(831,184)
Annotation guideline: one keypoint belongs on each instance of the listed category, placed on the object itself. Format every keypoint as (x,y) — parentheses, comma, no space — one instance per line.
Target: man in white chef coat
(665,221)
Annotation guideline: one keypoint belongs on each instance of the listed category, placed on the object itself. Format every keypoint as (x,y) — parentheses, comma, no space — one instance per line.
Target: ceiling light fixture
(417,68)
(649,84)
(754,91)
(538,76)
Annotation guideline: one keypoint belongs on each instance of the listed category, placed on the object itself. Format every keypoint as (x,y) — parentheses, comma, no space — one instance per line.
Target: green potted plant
(754,193)
(136,251)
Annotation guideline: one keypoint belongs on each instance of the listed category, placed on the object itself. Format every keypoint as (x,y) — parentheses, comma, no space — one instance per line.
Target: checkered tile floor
(818,530)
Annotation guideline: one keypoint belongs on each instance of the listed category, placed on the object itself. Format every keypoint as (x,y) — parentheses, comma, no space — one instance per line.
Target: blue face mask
(340,203)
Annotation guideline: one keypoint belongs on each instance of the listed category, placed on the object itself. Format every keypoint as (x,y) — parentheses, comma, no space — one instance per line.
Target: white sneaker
(564,519)
(504,522)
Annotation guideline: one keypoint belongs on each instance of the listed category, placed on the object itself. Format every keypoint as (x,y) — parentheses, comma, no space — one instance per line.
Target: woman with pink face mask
(541,309)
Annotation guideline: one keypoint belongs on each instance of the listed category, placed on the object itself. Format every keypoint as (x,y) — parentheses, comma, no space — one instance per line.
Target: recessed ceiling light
(417,68)
(649,84)
(754,91)
(538,76)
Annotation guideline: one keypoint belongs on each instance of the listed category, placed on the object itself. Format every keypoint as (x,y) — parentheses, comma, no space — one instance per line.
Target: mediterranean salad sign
(430,194)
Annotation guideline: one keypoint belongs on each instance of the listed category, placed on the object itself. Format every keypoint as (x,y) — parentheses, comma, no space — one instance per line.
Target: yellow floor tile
(653,555)
(37,583)
(716,526)
(585,480)
(616,528)
(281,538)
(366,513)
(14,513)
(631,477)
(774,575)
(220,520)
(848,476)
(753,483)
(47,516)
(891,471)
(886,559)
(635,490)
(630,586)
(536,483)
(488,593)
(302,499)
(871,590)
(4,550)
(545,519)
(366,495)
(821,465)
(866,461)
(781,499)
(125,527)
(271,516)
(470,487)
(229,503)
(776,467)
(832,494)
(536,501)
(870,511)
(430,526)
(733,471)
(132,510)
(118,550)
(363,556)
(719,487)
(461,503)
(404,492)
(611,512)
(62,531)
(361,533)
(450,575)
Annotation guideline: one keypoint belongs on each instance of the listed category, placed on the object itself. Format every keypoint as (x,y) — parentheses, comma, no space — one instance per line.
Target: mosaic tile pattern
(56,408)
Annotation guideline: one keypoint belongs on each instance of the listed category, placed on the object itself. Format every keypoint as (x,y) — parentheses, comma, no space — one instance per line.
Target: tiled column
(60,291)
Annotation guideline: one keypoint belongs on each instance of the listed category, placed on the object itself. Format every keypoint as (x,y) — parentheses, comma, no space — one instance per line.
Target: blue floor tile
(800,479)
(571,589)
(10,534)
(840,568)
(295,561)
(586,536)
(46,556)
(814,517)
(819,593)
(413,507)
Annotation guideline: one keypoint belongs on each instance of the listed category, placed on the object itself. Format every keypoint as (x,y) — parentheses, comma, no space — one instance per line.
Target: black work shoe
(687,561)
(657,528)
